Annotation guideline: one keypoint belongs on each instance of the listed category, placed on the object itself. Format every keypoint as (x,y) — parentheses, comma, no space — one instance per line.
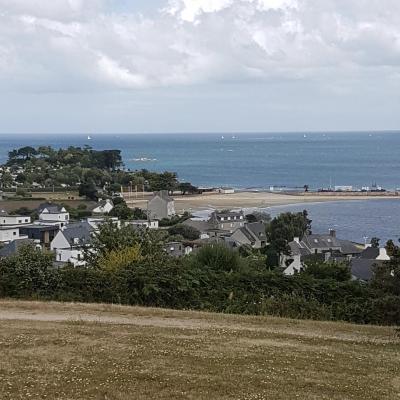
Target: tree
(258,216)
(375,242)
(27,273)
(88,189)
(187,187)
(122,211)
(284,228)
(6,180)
(187,232)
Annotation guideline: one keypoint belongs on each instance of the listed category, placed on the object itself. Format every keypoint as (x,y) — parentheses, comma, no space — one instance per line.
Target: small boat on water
(89,137)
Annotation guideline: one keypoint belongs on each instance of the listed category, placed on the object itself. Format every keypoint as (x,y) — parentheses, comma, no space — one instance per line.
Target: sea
(260,161)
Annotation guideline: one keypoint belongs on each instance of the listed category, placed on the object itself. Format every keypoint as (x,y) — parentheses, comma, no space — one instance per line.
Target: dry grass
(74,351)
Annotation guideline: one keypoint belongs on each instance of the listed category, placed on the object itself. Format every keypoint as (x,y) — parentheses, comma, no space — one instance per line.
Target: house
(226,190)
(96,222)
(362,267)
(177,249)
(228,221)
(161,205)
(70,242)
(103,207)
(205,228)
(9,233)
(53,214)
(42,233)
(10,226)
(12,248)
(13,220)
(144,223)
(327,246)
(251,234)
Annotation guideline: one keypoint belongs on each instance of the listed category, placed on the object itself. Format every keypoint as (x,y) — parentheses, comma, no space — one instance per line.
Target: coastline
(247,199)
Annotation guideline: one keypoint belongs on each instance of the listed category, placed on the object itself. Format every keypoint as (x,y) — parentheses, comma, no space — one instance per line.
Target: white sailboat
(89,137)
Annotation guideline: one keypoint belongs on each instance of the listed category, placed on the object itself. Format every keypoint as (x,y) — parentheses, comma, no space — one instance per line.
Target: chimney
(332,233)
(297,240)
(383,255)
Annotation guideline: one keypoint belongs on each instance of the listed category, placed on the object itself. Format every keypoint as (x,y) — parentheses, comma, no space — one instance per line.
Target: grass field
(73,351)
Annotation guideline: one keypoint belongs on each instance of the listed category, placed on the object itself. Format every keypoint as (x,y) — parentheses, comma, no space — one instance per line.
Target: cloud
(73,45)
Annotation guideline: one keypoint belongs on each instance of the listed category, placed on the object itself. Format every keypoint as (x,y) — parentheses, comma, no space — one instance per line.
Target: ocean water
(358,220)
(258,161)
(248,160)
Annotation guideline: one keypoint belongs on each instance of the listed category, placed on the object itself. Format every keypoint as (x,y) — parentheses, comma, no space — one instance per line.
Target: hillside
(74,351)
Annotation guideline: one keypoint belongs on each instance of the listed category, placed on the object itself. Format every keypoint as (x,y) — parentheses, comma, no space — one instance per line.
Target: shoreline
(247,199)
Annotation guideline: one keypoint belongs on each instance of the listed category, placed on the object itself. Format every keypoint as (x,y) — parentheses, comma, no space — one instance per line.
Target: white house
(53,214)
(226,190)
(69,243)
(9,226)
(96,222)
(13,220)
(9,234)
(103,207)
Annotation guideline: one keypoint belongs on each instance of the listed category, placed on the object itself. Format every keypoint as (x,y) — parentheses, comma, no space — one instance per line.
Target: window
(15,233)
(26,220)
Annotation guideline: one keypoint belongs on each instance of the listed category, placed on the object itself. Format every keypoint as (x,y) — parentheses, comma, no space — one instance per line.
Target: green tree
(187,232)
(88,189)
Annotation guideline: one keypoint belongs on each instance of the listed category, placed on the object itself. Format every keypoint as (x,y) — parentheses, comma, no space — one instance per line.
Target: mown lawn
(64,351)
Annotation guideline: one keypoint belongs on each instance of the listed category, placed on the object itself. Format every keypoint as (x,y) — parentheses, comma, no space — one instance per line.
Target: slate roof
(51,207)
(298,249)
(12,247)
(321,241)
(81,231)
(164,195)
(101,203)
(202,226)
(348,247)
(232,214)
(370,253)
(363,269)
(257,229)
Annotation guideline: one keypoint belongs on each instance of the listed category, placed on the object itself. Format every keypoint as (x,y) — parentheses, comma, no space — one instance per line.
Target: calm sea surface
(259,161)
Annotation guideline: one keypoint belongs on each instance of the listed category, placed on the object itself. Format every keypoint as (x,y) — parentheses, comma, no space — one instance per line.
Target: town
(70,239)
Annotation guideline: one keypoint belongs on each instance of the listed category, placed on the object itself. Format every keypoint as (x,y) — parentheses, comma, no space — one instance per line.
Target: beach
(254,200)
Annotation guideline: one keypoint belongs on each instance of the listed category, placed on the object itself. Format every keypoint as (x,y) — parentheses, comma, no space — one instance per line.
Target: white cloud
(75,44)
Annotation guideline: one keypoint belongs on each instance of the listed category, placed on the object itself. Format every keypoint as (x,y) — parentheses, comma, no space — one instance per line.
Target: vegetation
(111,352)
(130,268)
(94,172)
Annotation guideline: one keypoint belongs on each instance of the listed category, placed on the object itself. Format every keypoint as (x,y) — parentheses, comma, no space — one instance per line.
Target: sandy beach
(255,199)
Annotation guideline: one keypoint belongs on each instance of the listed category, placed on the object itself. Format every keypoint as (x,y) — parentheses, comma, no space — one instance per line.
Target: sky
(138,66)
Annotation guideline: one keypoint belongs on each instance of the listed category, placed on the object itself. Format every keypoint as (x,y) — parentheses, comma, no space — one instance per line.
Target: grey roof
(298,249)
(13,247)
(40,227)
(363,269)
(202,226)
(164,195)
(257,229)
(321,241)
(101,203)
(81,231)
(218,215)
(51,207)
(348,247)
(370,253)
